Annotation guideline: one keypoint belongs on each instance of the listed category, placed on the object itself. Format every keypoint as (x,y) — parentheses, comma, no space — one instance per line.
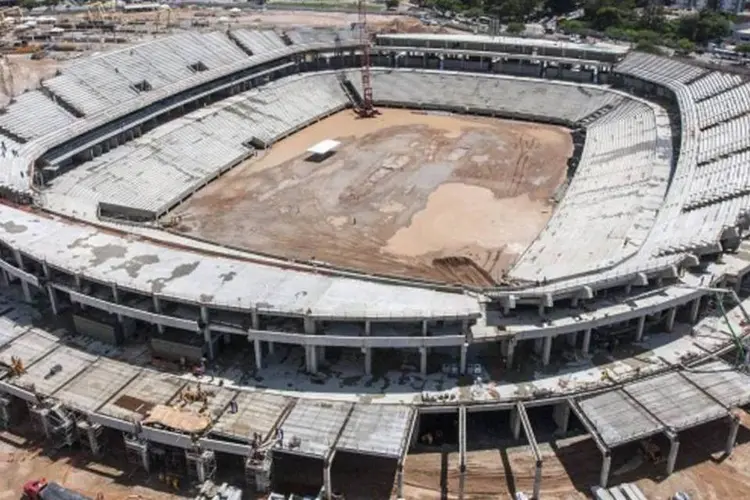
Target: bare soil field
(436,196)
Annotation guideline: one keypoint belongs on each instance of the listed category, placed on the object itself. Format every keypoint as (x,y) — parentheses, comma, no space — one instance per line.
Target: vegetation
(743,48)
(642,22)
(515,28)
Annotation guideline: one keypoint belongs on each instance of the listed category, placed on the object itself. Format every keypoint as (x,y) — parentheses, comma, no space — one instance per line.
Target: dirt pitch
(436,196)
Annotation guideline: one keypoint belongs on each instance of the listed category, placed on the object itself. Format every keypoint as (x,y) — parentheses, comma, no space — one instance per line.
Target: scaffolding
(258,472)
(136,452)
(201,464)
(91,436)
(55,422)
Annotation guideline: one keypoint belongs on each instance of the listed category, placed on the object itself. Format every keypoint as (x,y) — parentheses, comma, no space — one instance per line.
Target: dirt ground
(19,73)
(444,197)
(572,466)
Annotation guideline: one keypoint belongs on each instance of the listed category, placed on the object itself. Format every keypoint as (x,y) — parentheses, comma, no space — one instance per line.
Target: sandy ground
(571,467)
(23,460)
(404,192)
(19,73)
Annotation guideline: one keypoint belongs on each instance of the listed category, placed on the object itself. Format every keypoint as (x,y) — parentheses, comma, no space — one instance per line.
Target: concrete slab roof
(216,281)
(216,399)
(136,399)
(256,412)
(97,384)
(10,330)
(618,419)
(675,401)
(54,370)
(311,428)
(377,430)
(508,40)
(722,382)
(28,347)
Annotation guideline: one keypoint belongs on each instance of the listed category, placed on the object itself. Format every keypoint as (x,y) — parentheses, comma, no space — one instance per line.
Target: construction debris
(177,419)
(211,491)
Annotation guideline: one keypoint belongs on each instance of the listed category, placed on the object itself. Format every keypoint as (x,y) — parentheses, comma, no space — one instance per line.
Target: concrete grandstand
(646,235)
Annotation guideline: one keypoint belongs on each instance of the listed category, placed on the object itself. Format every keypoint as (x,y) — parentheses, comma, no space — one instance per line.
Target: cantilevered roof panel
(28,347)
(675,401)
(722,382)
(256,412)
(135,400)
(190,276)
(54,370)
(99,382)
(377,430)
(618,419)
(311,428)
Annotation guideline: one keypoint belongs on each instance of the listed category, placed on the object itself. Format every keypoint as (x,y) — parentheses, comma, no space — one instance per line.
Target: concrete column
(586,341)
(639,329)
(5,278)
(271,348)
(511,349)
(309,325)
(694,309)
(606,464)
(327,479)
(312,359)
(738,283)
(24,285)
(254,320)
(541,310)
(116,295)
(537,481)
(400,482)
(368,328)
(368,361)
(674,446)
(157,310)
(423,361)
(464,349)
(321,356)
(547,350)
(53,299)
(734,427)
(670,319)
(572,338)
(538,346)
(461,481)
(561,415)
(424,328)
(258,354)
(515,423)
(207,337)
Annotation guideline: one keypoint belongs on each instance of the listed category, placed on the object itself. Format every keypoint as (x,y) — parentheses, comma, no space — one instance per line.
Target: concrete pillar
(5,278)
(694,309)
(157,310)
(537,481)
(424,328)
(511,349)
(670,319)
(207,337)
(53,299)
(309,325)
(561,415)
(586,341)
(734,427)
(116,296)
(368,328)
(321,356)
(312,358)
(400,482)
(368,361)
(606,464)
(639,329)
(674,446)
(24,285)
(572,338)
(547,350)
(258,354)
(327,479)
(541,310)
(271,348)
(254,320)
(538,346)
(423,361)
(515,423)
(464,349)
(461,480)
(738,283)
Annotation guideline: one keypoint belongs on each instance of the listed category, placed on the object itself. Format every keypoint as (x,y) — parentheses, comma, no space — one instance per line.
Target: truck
(40,489)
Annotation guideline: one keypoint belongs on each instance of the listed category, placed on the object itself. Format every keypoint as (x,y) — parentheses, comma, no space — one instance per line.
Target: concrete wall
(174,351)
(105,332)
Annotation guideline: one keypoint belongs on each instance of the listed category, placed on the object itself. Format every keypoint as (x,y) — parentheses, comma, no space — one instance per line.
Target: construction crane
(367,109)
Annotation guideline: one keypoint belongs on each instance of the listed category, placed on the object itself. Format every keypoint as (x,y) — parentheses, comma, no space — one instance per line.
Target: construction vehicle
(42,490)
(651,452)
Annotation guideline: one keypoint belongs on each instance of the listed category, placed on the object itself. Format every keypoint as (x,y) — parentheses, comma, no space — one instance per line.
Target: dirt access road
(406,193)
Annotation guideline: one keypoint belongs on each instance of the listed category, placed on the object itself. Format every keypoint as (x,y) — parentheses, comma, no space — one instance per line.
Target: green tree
(743,48)
(607,17)
(685,46)
(515,28)
(391,4)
